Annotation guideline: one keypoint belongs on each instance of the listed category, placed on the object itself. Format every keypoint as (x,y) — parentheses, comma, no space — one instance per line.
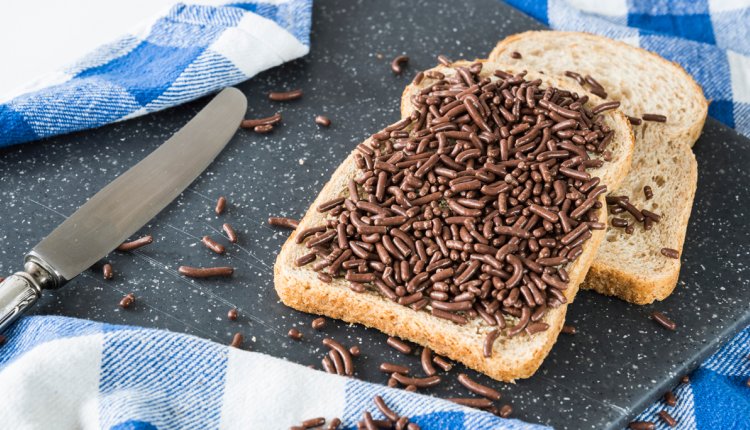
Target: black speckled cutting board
(617,364)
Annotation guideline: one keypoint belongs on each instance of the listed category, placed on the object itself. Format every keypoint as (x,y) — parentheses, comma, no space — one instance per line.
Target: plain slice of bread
(512,358)
(631,266)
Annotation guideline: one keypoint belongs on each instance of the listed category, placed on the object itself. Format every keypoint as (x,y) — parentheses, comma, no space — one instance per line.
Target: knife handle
(18,292)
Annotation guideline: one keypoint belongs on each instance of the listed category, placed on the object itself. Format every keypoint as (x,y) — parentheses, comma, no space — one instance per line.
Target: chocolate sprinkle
(398,63)
(107,272)
(294,334)
(668,419)
(322,121)
(127,301)
(135,244)
(663,320)
(654,117)
(641,425)
(283,96)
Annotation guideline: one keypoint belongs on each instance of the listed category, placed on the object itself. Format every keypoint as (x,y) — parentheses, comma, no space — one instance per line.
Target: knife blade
(123,206)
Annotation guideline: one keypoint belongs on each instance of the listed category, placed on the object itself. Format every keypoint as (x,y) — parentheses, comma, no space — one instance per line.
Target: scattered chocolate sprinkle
(322,120)
(634,120)
(338,363)
(388,412)
(506,410)
(568,329)
(252,123)
(328,365)
(392,383)
(668,419)
(663,320)
(472,402)
(412,388)
(205,272)
(221,205)
(442,363)
(283,96)
(685,379)
(577,76)
(426,361)
(237,340)
(294,334)
(231,234)
(355,351)
(398,63)
(605,107)
(393,368)
(127,301)
(654,117)
(213,245)
(313,422)
(648,192)
(343,352)
(3,339)
(670,399)
(477,388)
(263,129)
(135,244)
(399,345)
(107,272)
(515,55)
(334,424)
(429,381)
(319,323)
(283,222)
(671,253)
(641,425)
(232,314)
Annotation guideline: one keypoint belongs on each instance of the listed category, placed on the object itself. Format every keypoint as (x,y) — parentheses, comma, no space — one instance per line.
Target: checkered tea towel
(66,373)
(709,38)
(191,51)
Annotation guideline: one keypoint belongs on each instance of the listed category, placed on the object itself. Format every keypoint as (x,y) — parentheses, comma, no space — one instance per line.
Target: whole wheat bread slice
(631,266)
(512,358)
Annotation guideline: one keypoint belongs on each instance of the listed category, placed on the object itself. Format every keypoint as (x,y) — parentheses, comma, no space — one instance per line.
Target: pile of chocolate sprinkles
(473,205)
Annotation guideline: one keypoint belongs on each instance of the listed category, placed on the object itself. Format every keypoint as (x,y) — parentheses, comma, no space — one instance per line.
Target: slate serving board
(617,364)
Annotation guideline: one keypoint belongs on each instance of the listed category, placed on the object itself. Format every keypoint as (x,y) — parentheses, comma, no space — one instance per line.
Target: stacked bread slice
(631,266)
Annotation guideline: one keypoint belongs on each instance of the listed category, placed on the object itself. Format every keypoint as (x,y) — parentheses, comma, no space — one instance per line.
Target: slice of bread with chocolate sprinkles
(630,263)
(470,241)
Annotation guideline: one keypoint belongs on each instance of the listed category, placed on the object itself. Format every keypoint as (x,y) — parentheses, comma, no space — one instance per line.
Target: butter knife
(123,206)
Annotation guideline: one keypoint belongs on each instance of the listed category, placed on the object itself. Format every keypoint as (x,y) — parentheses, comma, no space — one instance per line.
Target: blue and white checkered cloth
(66,373)
(191,51)
(709,38)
